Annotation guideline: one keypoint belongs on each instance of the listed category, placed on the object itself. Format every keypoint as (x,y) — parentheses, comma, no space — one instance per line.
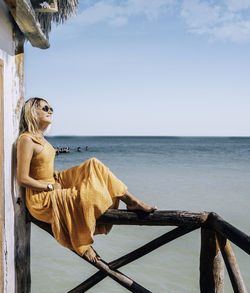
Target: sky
(147,67)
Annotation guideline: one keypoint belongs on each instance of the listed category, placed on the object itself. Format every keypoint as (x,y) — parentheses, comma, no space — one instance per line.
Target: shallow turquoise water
(181,173)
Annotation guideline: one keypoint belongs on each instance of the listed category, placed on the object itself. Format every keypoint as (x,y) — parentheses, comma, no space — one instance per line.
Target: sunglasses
(46,109)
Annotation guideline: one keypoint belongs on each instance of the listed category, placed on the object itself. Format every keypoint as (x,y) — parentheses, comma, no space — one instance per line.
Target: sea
(174,173)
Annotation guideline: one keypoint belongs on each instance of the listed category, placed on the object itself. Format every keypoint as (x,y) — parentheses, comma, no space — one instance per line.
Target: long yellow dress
(88,190)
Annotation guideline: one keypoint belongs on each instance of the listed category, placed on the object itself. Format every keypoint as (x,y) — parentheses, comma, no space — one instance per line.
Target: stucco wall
(14,224)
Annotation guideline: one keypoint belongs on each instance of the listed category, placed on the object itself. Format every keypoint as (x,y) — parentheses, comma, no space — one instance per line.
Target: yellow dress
(88,190)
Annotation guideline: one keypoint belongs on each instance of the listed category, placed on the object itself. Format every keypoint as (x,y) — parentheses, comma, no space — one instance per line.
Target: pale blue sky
(147,67)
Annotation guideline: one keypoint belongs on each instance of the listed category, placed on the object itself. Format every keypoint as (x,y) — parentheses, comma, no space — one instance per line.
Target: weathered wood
(238,237)
(151,246)
(22,246)
(1,180)
(25,18)
(134,255)
(211,264)
(117,276)
(157,218)
(45,5)
(231,264)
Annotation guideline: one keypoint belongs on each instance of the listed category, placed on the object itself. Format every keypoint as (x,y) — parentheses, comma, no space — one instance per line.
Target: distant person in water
(70,200)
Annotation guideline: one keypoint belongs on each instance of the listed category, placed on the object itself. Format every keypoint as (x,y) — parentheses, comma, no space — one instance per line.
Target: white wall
(13,99)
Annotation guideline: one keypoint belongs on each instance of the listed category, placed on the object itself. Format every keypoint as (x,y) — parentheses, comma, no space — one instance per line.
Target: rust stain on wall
(19,61)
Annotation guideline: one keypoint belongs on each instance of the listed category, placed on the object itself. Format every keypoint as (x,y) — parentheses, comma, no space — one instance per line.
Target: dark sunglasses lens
(46,109)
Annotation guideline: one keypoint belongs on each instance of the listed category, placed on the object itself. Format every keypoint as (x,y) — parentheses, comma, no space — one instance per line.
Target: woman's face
(44,117)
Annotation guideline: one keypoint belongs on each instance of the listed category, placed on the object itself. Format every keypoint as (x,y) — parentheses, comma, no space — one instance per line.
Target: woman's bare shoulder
(24,139)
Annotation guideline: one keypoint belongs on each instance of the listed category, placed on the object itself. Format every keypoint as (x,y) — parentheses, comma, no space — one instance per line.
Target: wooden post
(1,180)
(21,226)
(230,232)
(211,264)
(231,264)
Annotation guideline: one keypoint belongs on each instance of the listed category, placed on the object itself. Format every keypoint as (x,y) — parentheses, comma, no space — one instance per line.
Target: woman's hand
(57,185)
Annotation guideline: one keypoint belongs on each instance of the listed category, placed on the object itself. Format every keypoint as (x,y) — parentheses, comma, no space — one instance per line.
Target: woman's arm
(25,152)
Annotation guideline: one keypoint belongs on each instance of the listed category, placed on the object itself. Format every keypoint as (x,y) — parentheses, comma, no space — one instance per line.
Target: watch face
(50,186)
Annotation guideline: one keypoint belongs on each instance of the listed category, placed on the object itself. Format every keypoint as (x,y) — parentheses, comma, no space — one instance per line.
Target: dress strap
(32,136)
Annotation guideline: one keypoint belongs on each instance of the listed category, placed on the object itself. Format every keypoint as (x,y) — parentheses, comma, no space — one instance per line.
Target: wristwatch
(50,187)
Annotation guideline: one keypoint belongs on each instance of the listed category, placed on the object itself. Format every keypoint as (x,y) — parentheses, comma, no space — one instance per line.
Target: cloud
(237,5)
(222,20)
(118,13)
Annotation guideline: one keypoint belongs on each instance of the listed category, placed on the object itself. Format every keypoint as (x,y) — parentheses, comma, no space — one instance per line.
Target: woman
(70,200)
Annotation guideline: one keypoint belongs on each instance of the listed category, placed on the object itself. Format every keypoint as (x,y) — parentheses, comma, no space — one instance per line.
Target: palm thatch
(66,9)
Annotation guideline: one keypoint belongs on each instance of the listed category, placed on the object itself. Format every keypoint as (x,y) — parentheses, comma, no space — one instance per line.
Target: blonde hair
(28,118)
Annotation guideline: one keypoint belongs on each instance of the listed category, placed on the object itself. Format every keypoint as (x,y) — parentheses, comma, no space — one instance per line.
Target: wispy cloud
(237,5)
(218,19)
(223,20)
(119,12)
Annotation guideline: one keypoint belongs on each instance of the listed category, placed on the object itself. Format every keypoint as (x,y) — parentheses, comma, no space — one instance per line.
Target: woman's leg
(135,204)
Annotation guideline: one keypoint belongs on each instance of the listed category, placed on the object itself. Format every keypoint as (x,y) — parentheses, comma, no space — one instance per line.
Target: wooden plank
(45,5)
(157,218)
(24,16)
(211,264)
(228,231)
(1,181)
(231,264)
(134,255)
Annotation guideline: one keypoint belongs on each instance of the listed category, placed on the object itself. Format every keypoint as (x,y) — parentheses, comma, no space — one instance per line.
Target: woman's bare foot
(135,204)
(91,255)
(139,205)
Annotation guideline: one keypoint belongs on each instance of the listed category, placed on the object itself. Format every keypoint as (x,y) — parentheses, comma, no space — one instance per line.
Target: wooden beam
(1,182)
(231,264)
(24,15)
(45,5)
(238,237)
(157,218)
(119,277)
(211,264)
(132,256)
(151,246)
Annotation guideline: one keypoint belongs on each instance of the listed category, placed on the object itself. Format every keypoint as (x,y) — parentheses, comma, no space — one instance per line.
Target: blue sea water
(176,173)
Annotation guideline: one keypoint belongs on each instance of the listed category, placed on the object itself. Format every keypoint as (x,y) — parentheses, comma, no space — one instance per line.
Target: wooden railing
(215,236)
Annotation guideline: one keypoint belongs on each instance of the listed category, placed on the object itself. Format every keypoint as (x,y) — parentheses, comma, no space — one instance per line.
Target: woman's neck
(39,134)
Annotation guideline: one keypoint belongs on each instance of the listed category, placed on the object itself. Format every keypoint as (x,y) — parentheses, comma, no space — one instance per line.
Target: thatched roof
(66,9)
